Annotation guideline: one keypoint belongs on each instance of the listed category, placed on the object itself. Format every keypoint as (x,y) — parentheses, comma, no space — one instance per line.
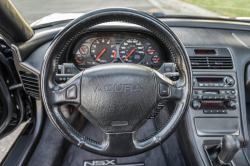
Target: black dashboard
(116,47)
(221,43)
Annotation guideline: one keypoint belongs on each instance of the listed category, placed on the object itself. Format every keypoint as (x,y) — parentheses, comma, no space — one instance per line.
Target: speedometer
(103,50)
(132,51)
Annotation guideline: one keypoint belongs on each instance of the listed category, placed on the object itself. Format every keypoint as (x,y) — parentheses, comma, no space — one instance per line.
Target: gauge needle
(157,60)
(77,60)
(101,54)
(82,50)
(129,54)
(151,51)
(114,54)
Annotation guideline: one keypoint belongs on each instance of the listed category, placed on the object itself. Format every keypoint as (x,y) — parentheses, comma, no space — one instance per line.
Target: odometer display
(132,51)
(103,50)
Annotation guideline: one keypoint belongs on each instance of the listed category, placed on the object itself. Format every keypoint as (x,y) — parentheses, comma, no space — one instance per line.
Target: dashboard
(210,49)
(116,47)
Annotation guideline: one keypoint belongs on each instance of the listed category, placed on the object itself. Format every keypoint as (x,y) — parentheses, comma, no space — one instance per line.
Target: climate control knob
(229,81)
(231,104)
(196,104)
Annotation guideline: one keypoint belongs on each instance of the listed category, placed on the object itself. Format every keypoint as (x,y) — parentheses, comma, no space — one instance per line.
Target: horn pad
(118,97)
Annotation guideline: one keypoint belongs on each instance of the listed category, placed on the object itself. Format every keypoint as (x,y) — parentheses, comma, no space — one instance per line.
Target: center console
(215,109)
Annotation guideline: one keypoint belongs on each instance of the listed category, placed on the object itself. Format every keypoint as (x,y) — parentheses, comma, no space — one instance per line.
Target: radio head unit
(213,81)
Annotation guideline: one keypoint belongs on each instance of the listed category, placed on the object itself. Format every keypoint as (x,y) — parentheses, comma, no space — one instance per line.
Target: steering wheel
(116,98)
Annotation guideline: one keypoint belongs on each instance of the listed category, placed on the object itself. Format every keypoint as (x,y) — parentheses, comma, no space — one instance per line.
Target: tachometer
(132,51)
(103,50)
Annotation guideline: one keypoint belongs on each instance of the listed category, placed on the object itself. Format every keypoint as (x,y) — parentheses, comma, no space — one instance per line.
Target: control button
(229,81)
(200,91)
(195,97)
(222,92)
(161,104)
(201,84)
(164,90)
(205,111)
(217,97)
(152,115)
(205,97)
(158,108)
(196,91)
(217,111)
(68,70)
(210,97)
(216,84)
(222,97)
(210,84)
(71,92)
(223,111)
(231,104)
(199,97)
(221,84)
(233,92)
(196,104)
(205,84)
(231,97)
(228,92)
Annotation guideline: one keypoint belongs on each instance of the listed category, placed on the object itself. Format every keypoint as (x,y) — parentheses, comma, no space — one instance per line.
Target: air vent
(31,84)
(204,62)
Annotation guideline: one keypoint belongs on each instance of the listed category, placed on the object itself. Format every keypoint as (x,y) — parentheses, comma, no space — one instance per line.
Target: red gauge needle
(129,54)
(101,54)
(157,60)
(82,50)
(114,54)
(151,51)
(77,60)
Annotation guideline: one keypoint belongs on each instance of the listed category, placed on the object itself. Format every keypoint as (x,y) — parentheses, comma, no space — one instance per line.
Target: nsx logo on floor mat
(107,162)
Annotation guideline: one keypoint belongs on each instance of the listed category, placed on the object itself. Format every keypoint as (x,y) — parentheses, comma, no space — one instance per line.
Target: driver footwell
(54,150)
(168,154)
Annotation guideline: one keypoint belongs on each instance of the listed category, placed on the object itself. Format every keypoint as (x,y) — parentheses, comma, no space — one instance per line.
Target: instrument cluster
(100,48)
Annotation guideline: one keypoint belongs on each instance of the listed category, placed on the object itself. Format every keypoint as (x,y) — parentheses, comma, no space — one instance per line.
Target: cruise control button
(71,92)
(161,104)
(164,90)
(158,108)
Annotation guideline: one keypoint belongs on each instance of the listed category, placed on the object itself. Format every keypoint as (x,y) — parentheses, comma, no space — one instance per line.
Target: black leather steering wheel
(117,98)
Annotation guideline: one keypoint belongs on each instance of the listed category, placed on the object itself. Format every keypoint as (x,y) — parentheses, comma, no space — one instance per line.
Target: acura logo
(118,88)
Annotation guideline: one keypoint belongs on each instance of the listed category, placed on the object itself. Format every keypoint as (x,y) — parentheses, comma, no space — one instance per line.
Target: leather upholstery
(118,143)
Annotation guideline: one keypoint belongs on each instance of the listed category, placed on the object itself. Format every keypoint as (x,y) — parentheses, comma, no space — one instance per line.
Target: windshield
(33,10)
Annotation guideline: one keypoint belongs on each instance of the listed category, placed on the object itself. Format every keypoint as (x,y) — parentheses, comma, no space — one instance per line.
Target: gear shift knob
(230,146)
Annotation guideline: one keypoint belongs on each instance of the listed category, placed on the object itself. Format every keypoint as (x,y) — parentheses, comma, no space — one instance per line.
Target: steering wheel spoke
(120,143)
(68,93)
(168,89)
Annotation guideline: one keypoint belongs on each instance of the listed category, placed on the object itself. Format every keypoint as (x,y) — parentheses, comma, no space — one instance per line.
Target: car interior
(119,86)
